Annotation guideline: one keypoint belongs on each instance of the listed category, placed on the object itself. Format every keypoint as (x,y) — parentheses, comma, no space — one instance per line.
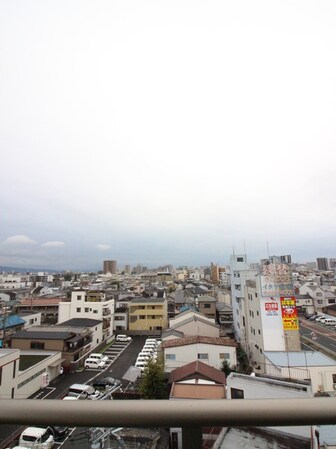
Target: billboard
(272,327)
(276,279)
(289,313)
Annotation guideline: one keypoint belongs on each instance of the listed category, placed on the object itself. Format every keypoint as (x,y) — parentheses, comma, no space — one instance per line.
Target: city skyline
(161,133)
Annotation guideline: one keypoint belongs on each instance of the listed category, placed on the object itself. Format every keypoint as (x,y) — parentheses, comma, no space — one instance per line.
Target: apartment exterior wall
(9,368)
(148,315)
(197,327)
(213,355)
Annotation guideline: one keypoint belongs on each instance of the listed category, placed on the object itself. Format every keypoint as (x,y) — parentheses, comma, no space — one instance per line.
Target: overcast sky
(166,131)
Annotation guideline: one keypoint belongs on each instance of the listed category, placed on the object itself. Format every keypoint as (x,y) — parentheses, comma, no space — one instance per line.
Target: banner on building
(289,313)
(276,279)
(271,308)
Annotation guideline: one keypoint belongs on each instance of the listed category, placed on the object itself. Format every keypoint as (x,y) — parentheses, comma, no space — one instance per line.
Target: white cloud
(103,247)
(54,244)
(18,240)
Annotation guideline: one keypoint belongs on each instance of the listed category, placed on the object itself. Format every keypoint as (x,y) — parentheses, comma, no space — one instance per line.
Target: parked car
(83,391)
(58,432)
(106,382)
(100,357)
(36,437)
(94,363)
(123,338)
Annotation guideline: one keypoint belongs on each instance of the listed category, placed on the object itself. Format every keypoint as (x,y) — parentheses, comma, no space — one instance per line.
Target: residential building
(148,314)
(9,325)
(240,273)
(75,340)
(48,307)
(197,372)
(190,323)
(95,305)
(210,350)
(207,306)
(322,298)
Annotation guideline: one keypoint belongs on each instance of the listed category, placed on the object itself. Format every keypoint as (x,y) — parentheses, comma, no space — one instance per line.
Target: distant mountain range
(26,270)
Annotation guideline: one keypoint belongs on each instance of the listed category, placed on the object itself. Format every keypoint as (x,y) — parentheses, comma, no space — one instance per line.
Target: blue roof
(185,308)
(11,321)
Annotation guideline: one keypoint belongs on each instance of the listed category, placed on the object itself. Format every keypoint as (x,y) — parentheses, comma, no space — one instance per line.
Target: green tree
(226,368)
(152,384)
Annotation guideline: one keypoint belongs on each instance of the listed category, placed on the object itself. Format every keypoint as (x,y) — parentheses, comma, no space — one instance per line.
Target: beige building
(148,314)
(110,266)
(24,372)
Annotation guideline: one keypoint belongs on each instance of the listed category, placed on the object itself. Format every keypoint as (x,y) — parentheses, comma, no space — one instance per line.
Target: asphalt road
(319,333)
(59,387)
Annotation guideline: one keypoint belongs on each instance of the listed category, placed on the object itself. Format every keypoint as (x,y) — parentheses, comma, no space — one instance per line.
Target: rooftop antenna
(268,253)
(245,249)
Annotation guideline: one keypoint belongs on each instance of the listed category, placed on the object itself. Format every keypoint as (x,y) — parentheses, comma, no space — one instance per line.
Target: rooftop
(299,358)
(221,341)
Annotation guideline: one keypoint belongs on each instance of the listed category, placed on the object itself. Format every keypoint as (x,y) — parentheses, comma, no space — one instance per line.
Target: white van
(123,338)
(141,365)
(330,321)
(100,357)
(36,437)
(147,351)
(83,391)
(94,363)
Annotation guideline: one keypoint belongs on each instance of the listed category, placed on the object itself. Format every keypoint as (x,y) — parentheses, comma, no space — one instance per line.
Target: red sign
(271,306)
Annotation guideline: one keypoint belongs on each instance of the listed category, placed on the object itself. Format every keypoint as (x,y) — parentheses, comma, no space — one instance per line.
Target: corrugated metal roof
(299,358)
(11,321)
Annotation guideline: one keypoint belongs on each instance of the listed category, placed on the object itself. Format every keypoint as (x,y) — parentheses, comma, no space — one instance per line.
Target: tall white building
(264,309)
(94,305)
(240,273)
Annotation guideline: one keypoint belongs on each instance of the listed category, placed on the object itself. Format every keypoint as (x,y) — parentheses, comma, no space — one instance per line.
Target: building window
(320,301)
(237,394)
(78,309)
(256,295)
(36,345)
(95,311)
(224,355)
(79,297)
(14,369)
(170,356)
(240,259)
(206,306)
(202,356)
(0,374)
(318,294)
(142,317)
(86,309)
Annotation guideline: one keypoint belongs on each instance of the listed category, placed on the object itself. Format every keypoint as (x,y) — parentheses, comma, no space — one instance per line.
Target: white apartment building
(85,304)
(240,273)
(210,350)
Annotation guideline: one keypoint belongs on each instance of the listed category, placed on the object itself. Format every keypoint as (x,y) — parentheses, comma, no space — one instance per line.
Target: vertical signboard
(289,313)
(272,329)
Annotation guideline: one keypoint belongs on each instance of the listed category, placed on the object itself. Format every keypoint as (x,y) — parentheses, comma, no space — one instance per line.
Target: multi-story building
(322,263)
(84,304)
(264,311)
(148,314)
(110,266)
(240,273)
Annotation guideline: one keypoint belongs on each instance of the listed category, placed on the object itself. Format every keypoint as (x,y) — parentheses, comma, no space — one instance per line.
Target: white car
(100,357)
(123,338)
(36,437)
(94,363)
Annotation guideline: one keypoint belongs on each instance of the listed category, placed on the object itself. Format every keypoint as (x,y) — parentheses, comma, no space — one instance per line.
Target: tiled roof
(197,391)
(197,369)
(185,341)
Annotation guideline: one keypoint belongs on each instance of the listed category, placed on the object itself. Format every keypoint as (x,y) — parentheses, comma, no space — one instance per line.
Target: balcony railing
(190,415)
